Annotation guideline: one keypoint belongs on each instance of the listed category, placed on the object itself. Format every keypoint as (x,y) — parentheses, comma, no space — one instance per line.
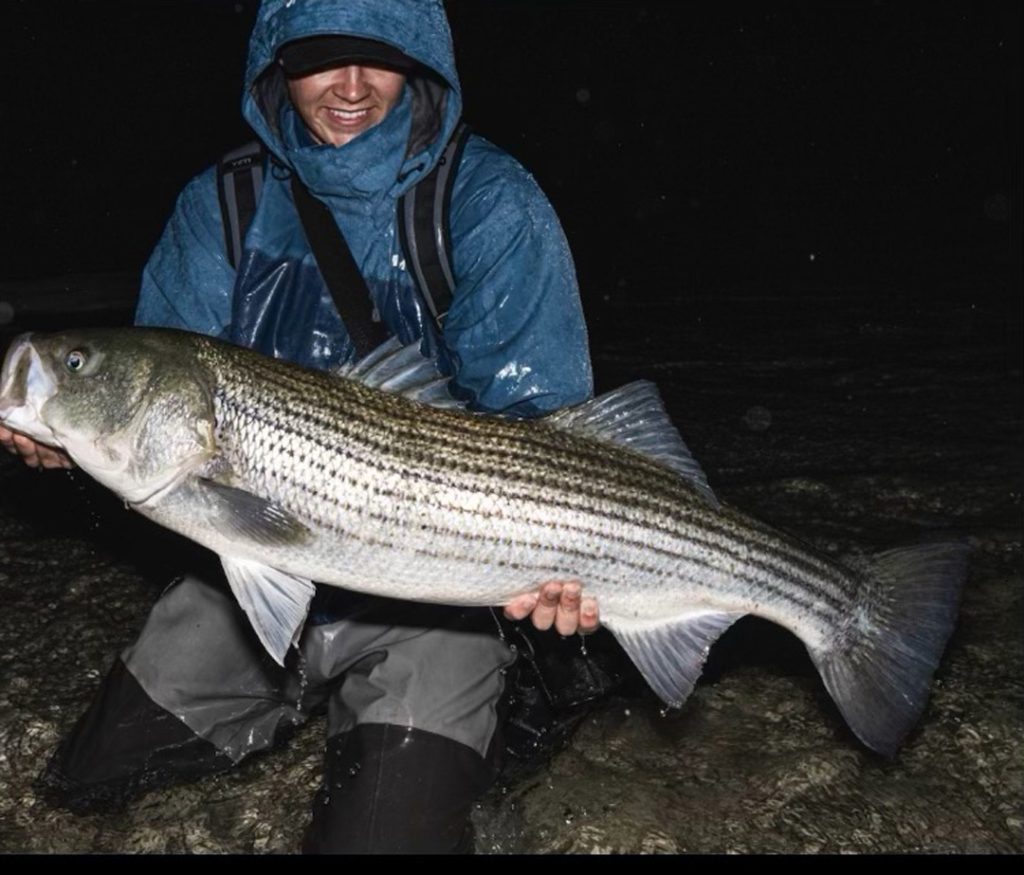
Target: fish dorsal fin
(671,655)
(276,603)
(403,370)
(634,416)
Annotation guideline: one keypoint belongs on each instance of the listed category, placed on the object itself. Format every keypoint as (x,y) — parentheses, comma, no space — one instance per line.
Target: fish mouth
(26,384)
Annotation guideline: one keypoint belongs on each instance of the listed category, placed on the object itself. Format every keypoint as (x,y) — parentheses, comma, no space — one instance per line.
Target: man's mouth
(348,116)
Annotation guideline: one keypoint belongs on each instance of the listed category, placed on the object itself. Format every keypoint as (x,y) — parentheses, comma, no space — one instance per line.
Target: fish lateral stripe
(380,452)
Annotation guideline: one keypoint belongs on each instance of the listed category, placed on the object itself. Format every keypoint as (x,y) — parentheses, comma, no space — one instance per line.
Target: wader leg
(193,696)
(121,747)
(413,728)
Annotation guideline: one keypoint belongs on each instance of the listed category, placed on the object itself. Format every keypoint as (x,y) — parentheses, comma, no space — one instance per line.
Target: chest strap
(424,227)
(423,219)
(239,183)
(338,268)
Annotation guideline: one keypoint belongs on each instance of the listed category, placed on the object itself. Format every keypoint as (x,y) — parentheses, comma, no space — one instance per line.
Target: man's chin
(337,134)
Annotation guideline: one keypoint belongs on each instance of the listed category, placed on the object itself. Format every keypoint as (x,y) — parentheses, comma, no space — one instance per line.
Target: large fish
(367,481)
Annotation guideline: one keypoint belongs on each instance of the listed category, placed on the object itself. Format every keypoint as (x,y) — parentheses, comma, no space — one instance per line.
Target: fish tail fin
(881,668)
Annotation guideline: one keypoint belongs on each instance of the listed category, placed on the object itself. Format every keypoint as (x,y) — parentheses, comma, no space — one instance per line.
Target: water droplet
(353,769)
(497,623)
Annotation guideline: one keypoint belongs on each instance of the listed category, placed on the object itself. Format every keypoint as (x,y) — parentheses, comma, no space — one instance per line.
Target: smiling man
(338,103)
(357,102)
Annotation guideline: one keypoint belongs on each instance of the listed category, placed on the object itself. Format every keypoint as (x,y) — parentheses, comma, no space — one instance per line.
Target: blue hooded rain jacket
(514,338)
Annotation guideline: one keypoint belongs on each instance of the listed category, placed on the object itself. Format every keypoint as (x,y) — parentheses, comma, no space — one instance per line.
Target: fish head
(131,407)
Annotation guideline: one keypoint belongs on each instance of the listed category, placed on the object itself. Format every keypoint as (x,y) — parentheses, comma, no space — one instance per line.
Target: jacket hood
(430,108)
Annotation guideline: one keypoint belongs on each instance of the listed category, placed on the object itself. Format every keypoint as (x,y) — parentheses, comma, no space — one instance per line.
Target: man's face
(338,104)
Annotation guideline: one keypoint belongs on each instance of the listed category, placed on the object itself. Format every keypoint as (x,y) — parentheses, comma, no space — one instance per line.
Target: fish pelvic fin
(880,670)
(275,602)
(671,655)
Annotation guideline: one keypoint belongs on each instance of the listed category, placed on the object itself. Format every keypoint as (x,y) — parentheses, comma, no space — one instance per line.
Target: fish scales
(384,431)
(535,544)
(465,455)
(292,475)
(708,523)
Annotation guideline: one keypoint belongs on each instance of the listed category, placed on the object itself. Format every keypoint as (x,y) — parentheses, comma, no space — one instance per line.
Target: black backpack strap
(341,274)
(239,183)
(424,228)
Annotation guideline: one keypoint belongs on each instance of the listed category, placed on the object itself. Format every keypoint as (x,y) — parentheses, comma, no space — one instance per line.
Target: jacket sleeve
(187,282)
(515,328)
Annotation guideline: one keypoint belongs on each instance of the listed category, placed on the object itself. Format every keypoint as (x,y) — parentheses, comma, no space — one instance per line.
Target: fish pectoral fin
(275,602)
(240,515)
(671,655)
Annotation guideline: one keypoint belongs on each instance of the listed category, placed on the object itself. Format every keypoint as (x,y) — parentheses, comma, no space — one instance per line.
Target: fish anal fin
(671,655)
(275,602)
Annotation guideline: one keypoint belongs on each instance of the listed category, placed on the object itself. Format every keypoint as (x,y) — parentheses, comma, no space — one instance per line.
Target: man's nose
(349,82)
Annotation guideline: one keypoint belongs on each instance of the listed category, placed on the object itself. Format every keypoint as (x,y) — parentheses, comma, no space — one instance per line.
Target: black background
(864,148)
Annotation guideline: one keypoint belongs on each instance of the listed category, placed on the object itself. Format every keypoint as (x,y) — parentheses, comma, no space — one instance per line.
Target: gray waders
(411,691)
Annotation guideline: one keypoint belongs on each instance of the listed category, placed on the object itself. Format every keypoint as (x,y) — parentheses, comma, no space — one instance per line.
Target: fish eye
(75,360)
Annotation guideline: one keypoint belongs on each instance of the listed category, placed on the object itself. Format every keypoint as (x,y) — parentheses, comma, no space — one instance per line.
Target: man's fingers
(27,449)
(543,616)
(33,454)
(559,604)
(590,616)
(520,608)
(567,616)
(7,440)
(51,458)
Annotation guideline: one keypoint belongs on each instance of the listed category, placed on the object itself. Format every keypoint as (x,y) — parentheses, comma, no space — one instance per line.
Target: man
(358,100)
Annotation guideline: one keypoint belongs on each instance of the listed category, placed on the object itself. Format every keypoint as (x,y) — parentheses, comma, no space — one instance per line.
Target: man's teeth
(348,114)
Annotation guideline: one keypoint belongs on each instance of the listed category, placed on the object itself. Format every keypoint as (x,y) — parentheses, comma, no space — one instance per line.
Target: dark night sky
(688,147)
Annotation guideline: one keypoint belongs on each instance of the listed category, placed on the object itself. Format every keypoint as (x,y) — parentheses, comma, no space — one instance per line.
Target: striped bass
(371,480)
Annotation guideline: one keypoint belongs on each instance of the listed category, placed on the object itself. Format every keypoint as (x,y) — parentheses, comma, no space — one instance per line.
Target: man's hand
(33,454)
(560,603)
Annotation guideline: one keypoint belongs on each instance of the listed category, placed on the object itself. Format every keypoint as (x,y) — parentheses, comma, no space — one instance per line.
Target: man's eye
(74,360)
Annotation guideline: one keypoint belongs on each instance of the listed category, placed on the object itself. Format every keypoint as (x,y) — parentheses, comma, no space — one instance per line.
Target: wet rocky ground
(857,426)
